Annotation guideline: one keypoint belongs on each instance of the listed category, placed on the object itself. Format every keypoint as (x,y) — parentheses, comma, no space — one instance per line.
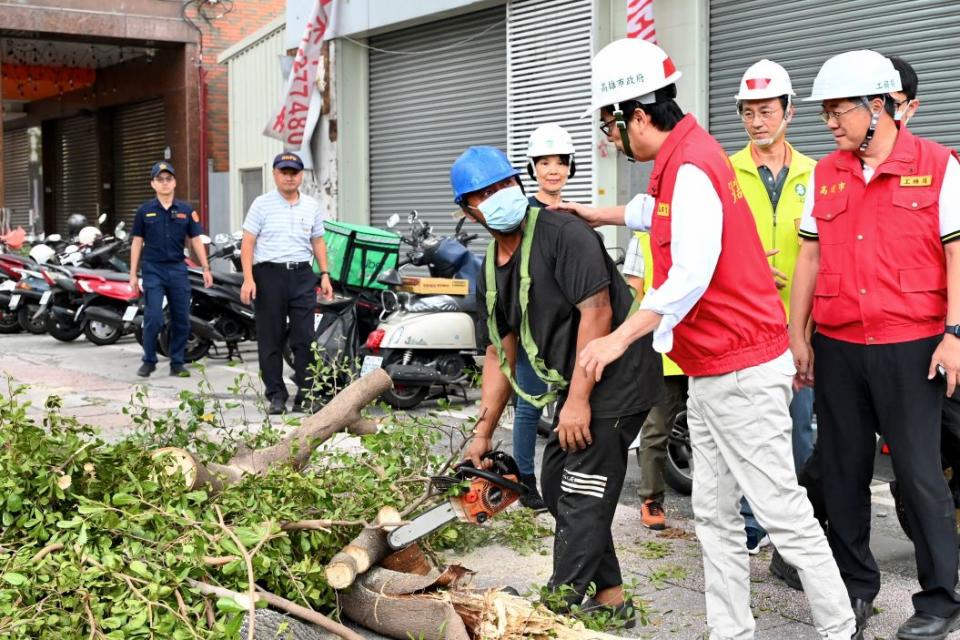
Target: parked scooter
(217,316)
(427,340)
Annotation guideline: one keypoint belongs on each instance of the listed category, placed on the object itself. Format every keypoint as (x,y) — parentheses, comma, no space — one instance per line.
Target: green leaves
(15,579)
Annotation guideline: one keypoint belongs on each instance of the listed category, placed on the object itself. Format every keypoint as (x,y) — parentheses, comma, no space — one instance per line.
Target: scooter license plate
(130,313)
(370,363)
(45,298)
(317,317)
(14,301)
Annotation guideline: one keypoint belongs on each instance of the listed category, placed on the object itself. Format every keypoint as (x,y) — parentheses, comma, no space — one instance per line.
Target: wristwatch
(953,329)
(324,273)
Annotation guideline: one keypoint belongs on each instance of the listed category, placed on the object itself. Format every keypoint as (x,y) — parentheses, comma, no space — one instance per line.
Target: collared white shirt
(284,231)
(695,244)
(949,202)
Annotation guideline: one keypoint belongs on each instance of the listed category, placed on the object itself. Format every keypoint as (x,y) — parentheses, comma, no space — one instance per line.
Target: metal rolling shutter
(426,109)
(16,176)
(548,80)
(802,35)
(76,188)
(139,139)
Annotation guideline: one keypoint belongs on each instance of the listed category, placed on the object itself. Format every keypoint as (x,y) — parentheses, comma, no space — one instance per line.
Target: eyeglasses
(606,126)
(826,116)
(765,114)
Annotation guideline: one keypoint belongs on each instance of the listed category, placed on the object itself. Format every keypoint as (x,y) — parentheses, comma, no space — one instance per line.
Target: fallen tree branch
(251,582)
(208,589)
(308,615)
(47,550)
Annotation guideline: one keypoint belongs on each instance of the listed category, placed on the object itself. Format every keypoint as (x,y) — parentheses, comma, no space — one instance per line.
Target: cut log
(367,549)
(363,427)
(342,412)
(392,604)
(409,560)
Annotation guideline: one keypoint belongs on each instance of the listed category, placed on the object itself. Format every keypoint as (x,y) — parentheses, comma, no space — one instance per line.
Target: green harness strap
(550,376)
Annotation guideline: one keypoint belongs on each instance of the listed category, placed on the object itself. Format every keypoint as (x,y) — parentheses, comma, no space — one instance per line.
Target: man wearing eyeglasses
(880,272)
(160,230)
(774,176)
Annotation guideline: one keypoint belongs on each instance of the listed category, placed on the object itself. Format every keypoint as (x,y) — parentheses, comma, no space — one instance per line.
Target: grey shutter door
(76,189)
(802,35)
(425,109)
(16,176)
(139,139)
(549,81)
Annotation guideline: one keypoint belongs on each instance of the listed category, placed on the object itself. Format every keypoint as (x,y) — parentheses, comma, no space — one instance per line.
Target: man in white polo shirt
(281,234)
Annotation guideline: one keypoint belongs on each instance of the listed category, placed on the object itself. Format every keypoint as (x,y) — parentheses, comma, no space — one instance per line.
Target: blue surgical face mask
(505,209)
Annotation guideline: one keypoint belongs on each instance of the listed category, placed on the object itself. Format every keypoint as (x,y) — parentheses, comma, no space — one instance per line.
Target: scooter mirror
(204,238)
(54,237)
(120,234)
(120,225)
(393,220)
(221,238)
(102,218)
(237,235)
(413,216)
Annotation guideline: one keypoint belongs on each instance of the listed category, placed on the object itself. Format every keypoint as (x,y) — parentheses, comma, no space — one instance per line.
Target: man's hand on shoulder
(585,212)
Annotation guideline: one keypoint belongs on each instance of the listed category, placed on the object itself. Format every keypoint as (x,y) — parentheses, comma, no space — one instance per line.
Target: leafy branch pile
(98,541)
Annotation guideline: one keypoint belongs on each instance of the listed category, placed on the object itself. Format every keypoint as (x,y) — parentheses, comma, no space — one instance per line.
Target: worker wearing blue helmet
(550,287)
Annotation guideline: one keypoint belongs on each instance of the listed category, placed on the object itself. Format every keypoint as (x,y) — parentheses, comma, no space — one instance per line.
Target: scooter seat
(229,277)
(422,304)
(106,274)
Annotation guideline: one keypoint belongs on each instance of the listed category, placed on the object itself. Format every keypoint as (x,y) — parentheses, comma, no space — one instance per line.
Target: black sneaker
(179,371)
(277,406)
(625,611)
(532,498)
(146,369)
(306,405)
(785,571)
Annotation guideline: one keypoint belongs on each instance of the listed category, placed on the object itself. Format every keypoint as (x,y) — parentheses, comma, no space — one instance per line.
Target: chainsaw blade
(424,524)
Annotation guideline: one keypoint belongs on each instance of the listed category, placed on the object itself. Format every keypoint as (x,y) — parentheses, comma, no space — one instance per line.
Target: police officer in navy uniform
(160,230)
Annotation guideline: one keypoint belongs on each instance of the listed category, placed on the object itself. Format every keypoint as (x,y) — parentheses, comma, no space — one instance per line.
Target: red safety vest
(739,322)
(883,274)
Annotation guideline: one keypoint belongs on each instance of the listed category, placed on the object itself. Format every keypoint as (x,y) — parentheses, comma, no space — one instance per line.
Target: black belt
(289,266)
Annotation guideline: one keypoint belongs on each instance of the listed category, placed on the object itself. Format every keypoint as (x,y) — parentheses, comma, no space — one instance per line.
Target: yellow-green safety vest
(670,368)
(777,229)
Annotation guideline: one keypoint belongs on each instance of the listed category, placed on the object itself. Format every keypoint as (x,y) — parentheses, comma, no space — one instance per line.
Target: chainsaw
(490,491)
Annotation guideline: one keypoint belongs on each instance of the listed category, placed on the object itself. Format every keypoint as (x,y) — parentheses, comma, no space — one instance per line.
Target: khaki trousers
(740,431)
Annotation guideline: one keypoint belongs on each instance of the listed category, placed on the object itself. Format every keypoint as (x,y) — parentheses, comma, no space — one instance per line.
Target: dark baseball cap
(161,167)
(288,160)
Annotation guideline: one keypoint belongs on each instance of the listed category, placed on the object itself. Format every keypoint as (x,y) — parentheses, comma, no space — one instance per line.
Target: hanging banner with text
(293,122)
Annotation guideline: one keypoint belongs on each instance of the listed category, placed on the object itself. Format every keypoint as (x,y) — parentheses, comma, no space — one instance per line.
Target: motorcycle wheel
(138,334)
(678,470)
(64,331)
(27,322)
(197,347)
(9,323)
(101,334)
(403,396)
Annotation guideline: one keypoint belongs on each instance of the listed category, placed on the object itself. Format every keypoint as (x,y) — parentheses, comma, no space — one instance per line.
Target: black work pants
(861,390)
(284,294)
(581,490)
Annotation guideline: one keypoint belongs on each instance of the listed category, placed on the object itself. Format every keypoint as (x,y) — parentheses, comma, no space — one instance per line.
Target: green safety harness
(548,375)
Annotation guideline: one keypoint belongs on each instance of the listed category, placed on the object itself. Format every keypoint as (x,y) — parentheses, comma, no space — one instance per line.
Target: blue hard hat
(479,167)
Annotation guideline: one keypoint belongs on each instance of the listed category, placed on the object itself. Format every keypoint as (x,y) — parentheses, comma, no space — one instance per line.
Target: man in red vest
(714,309)
(881,273)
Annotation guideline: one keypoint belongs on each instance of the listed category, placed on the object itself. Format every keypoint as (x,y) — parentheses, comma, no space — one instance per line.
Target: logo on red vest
(663,209)
(735,191)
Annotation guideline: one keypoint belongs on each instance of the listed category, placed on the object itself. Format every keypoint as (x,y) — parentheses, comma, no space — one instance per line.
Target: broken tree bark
(381,600)
(342,412)
(367,549)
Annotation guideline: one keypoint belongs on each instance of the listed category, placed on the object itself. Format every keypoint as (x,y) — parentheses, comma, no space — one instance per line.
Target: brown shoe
(651,515)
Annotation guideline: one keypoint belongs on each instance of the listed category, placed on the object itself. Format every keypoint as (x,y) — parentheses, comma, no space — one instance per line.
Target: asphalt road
(95,382)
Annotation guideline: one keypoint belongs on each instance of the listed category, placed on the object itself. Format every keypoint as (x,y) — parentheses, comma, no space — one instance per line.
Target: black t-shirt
(568,264)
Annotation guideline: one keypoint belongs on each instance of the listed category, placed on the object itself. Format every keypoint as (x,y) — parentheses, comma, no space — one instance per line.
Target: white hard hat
(763,80)
(88,235)
(42,253)
(550,140)
(855,74)
(629,69)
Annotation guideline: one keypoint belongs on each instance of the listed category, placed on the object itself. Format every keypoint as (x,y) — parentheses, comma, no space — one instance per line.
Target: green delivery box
(357,254)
